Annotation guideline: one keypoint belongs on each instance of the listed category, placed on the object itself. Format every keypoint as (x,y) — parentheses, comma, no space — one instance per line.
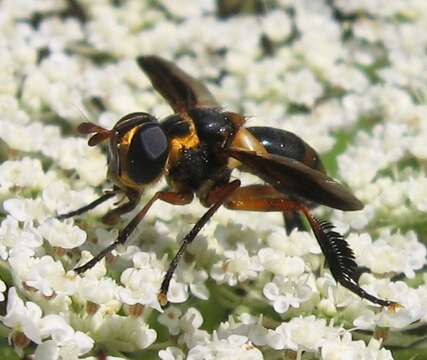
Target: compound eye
(147,153)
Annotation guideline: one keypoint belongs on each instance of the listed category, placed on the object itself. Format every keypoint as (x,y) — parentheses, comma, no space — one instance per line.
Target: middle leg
(167,196)
(224,192)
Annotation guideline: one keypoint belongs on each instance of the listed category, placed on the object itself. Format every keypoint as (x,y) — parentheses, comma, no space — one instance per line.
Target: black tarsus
(92,205)
(98,257)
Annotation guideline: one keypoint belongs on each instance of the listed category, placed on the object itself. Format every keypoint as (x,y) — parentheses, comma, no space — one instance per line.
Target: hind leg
(338,254)
(292,218)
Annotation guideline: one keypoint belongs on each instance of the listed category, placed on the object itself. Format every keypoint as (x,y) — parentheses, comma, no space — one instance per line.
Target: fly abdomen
(287,144)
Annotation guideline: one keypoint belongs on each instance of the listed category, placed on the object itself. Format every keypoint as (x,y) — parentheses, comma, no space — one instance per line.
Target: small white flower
(302,333)
(232,234)
(334,297)
(417,190)
(13,237)
(21,173)
(170,319)
(298,243)
(58,34)
(68,153)
(238,266)
(44,274)
(97,271)
(248,326)
(422,293)
(47,350)
(320,45)
(26,209)
(130,333)
(35,134)
(23,317)
(347,77)
(141,286)
(197,285)
(177,292)
(142,283)
(311,130)
(60,199)
(390,253)
(183,9)
(177,323)
(367,29)
(400,292)
(191,320)
(235,347)
(98,291)
(286,292)
(344,348)
(62,234)
(279,264)
(356,219)
(418,149)
(361,162)
(65,343)
(374,351)
(302,88)
(277,25)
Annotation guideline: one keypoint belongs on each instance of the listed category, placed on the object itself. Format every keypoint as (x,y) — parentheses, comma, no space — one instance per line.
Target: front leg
(106,196)
(111,217)
(167,196)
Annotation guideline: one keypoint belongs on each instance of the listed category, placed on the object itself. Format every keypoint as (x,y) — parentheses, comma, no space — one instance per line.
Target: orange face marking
(122,179)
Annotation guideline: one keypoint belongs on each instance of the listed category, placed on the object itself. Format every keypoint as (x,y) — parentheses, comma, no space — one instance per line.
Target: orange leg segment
(291,217)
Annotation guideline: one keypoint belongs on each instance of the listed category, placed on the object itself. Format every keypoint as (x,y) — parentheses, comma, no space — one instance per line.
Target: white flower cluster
(245,339)
(349,77)
(51,332)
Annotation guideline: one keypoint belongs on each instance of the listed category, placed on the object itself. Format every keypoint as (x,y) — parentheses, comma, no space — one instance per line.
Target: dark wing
(180,90)
(290,176)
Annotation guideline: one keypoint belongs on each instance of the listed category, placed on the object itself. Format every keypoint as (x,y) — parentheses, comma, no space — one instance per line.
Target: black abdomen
(284,143)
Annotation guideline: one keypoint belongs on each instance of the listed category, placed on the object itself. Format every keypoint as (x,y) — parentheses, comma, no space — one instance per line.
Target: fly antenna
(100,135)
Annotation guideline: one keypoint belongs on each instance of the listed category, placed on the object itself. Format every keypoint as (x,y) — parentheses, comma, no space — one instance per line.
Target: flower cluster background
(349,77)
